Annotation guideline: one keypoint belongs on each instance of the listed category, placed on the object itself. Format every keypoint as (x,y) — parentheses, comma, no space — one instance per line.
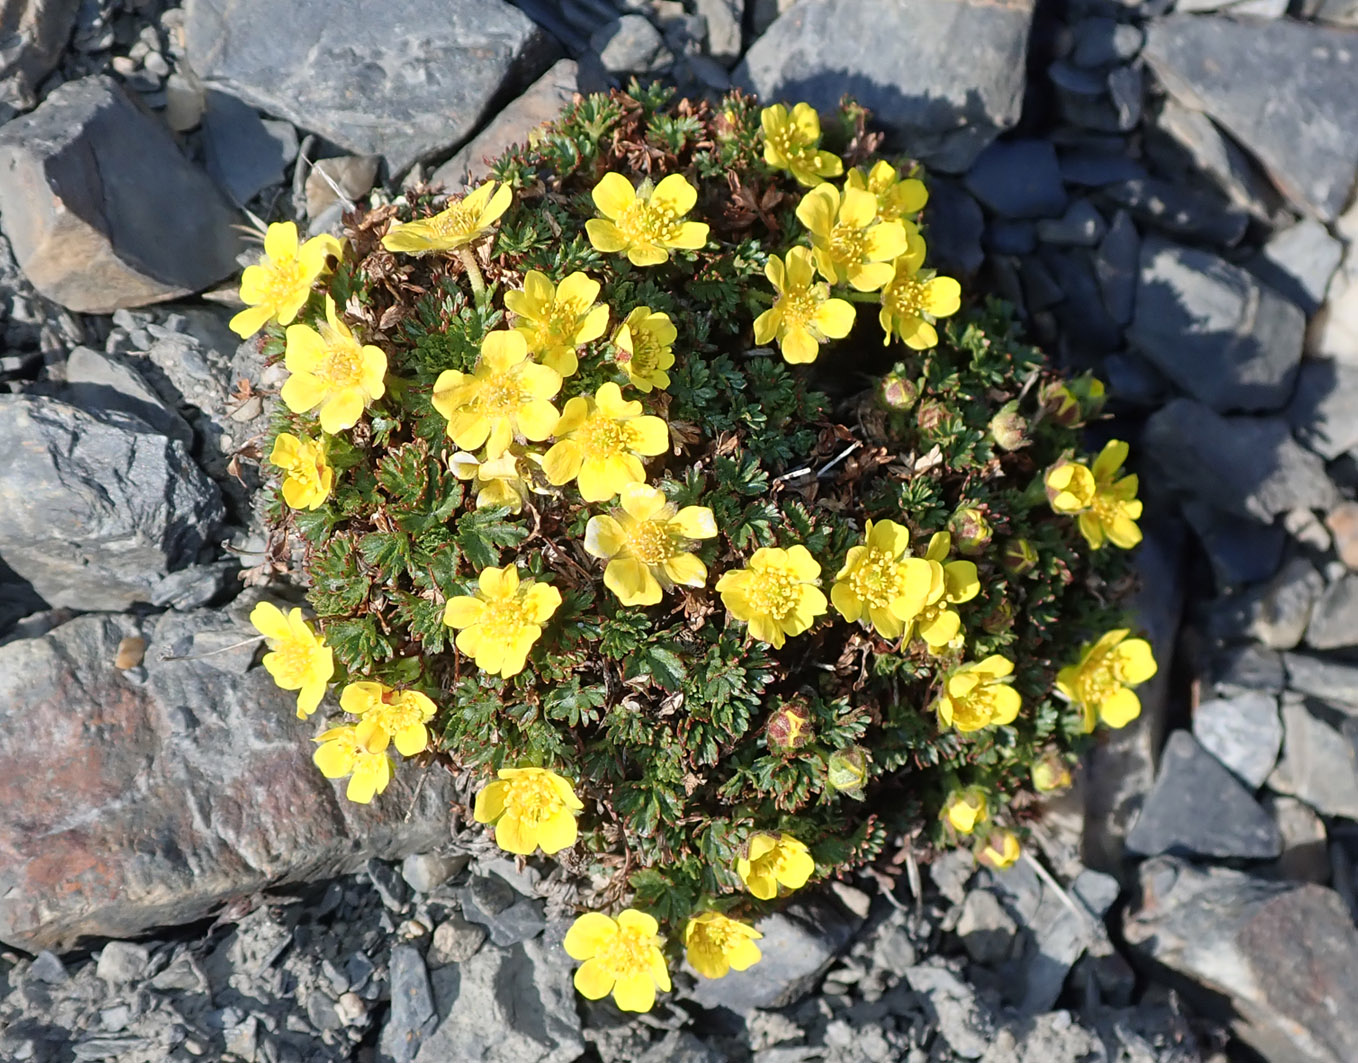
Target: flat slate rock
(1322,410)
(1215,330)
(1243,732)
(1018,179)
(1318,763)
(159,792)
(1198,808)
(945,102)
(1298,262)
(1334,620)
(403,81)
(1298,120)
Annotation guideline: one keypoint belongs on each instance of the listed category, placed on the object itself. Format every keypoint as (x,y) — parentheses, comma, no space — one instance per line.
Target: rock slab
(160,792)
(33,33)
(110,213)
(947,103)
(401,81)
(1243,732)
(1281,953)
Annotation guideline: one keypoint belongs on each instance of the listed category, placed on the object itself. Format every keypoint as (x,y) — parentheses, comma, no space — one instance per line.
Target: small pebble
(131,650)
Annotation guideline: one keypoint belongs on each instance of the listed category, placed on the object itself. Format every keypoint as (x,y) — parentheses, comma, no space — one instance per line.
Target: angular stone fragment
(946,103)
(1323,412)
(1318,763)
(32,35)
(1330,680)
(1242,732)
(102,208)
(1299,262)
(1018,179)
(1334,620)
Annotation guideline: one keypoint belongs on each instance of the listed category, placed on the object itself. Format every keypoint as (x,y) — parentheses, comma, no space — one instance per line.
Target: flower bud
(788,728)
(1001,849)
(1090,393)
(1061,405)
(971,532)
(898,393)
(1019,557)
(999,619)
(1051,773)
(966,809)
(1009,428)
(930,415)
(847,772)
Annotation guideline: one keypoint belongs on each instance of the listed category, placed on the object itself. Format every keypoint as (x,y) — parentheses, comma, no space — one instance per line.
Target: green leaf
(482,533)
(388,551)
(402,474)
(664,667)
(357,643)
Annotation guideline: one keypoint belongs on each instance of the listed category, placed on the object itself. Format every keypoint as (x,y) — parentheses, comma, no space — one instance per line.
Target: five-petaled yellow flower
(457,225)
(555,320)
(502,481)
(915,298)
(774,860)
(498,625)
(1098,683)
(777,593)
(851,245)
(1001,849)
(1105,508)
(645,222)
(965,810)
(643,348)
(401,713)
(332,370)
(897,197)
(360,752)
(950,584)
(619,956)
(880,583)
(529,807)
(803,316)
(648,545)
(278,286)
(505,397)
(716,944)
(308,477)
(978,695)
(298,658)
(792,143)
(600,444)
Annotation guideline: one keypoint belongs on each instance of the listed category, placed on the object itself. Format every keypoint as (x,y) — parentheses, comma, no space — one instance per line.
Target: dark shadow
(18,599)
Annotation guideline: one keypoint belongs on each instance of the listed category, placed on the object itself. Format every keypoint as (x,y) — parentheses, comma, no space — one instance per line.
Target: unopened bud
(1009,428)
(847,772)
(1090,393)
(966,809)
(788,728)
(1019,557)
(999,619)
(1061,405)
(898,393)
(1051,773)
(930,415)
(1001,849)
(971,532)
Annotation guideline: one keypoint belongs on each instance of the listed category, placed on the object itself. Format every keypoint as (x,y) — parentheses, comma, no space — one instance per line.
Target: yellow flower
(979,695)
(1105,508)
(647,544)
(643,343)
(298,659)
(278,286)
(965,810)
(457,225)
(1001,849)
(774,860)
(498,625)
(646,223)
(896,197)
(308,478)
(360,752)
(716,944)
(777,593)
(332,370)
(914,298)
(506,396)
(850,244)
(792,142)
(881,583)
(502,481)
(621,957)
(401,713)
(950,584)
(1098,683)
(529,807)
(600,444)
(803,316)
(557,319)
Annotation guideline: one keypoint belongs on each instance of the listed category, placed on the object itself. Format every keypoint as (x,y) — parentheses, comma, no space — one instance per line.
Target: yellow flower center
(457,220)
(799,307)
(628,953)
(343,363)
(645,351)
(534,798)
(285,278)
(1106,508)
(500,393)
(717,936)
(602,437)
(773,863)
(650,542)
(647,222)
(904,296)
(788,143)
(876,580)
(397,714)
(848,245)
(294,660)
(559,323)
(1099,680)
(505,618)
(774,592)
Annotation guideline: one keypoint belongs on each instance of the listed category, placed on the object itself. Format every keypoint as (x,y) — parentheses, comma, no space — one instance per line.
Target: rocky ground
(1165,194)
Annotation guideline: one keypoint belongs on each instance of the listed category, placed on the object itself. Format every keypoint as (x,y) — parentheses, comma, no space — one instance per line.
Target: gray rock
(387,881)
(986,929)
(1318,763)
(1089,168)
(1052,1038)
(1282,954)
(101,383)
(946,103)
(513,1005)
(196,586)
(1179,210)
(421,81)
(630,45)
(1239,551)
(1307,143)
(1334,620)
(1081,225)
(723,28)
(195,784)
(1096,891)
(542,102)
(34,34)
(1126,89)
(1322,410)
(520,920)
(1088,327)
(96,511)
(1117,265)
(1198,453)
(1299,262)
(139,225)
(1275,614)
(955,224)
(1188,146)
(1244,669)
(1306,856)
(121,962)
(1018,179)
(412,1017)
(353,176)
(1338,12)
(48,968)
(1011,237)
(680,1046)
(964,1022)
(1055,936)
(1198,808)
(1329,680)
(455,941)
(1099,41)
(798,945)
(426,872)
(242,154)
(1243,732)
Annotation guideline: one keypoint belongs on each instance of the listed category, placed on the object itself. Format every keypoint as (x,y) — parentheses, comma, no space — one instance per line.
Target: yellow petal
(635,993)
(835,318)
(490,802)
(588,934)
(594,980)
(605,236)
(687,570)
(562,462)
(613,195)
(942,297)
(632,582)
(463,611)
(250,320)
(1120,709)
(799,347)
(280,241)
(695,522)
(557,832)
(604,537)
